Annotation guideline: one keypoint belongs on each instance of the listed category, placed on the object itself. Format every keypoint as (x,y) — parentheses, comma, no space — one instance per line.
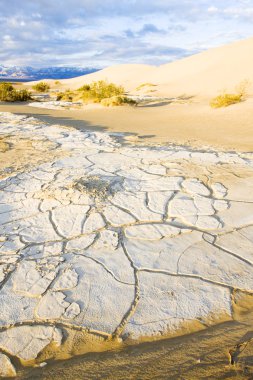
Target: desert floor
(194,124)
(202,355)
(167,178)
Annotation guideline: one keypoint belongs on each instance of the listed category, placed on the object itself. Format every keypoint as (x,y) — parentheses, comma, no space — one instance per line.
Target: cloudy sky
(99,33)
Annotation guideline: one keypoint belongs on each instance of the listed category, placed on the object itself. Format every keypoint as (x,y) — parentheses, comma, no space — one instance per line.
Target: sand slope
(128,75)
(203,74)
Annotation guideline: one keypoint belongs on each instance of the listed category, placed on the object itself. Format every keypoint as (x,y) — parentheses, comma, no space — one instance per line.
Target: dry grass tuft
(97,91)
(41,87)
(117,101)
(9,94)
(226,99)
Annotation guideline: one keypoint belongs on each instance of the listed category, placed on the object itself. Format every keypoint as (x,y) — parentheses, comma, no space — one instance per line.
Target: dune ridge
(204,74)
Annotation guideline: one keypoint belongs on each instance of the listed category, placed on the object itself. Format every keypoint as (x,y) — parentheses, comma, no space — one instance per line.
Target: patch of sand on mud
(3,146)
(17,153)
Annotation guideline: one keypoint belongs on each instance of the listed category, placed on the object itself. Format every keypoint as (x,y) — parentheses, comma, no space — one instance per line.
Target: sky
(100,33)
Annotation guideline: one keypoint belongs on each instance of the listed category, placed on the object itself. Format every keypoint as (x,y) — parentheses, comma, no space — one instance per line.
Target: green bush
(117,101)
(97,91)
(9,94)
(41,87)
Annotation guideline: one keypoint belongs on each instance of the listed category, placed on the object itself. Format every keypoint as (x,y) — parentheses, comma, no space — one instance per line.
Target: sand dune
(128,75)
(209,72)
(203,74)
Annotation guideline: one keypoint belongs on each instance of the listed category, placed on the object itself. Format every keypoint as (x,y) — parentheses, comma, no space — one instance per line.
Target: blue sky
(100,33)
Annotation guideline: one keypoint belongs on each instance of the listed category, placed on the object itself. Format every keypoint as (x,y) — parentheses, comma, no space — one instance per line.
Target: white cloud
(97,33)
(212,9)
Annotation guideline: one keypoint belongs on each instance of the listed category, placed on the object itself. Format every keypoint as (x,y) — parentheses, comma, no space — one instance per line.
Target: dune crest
(204,74)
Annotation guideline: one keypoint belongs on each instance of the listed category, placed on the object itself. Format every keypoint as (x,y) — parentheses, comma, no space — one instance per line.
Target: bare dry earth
(167,231)
(194,124)
(202,355)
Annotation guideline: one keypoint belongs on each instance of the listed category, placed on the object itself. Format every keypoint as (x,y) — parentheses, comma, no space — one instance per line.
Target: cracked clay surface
(123,241)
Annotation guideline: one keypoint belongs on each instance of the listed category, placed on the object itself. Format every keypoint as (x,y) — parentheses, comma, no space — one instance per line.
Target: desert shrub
(65,96)
(57,82)
(227,99)
(85,87)
(9,94)
(145,85)
(118,100)
(41,87)
(242,88)
(97,91)
(22,95)
(5,86)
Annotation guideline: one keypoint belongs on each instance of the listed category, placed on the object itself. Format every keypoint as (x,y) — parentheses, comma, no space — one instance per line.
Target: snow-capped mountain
(31,73)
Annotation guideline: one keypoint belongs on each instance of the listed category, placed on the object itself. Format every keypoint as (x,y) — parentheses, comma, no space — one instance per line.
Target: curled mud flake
(80,243)
(209,238)
(143,232)
(117,217)
(68,279)
(238,242)
(151,231)
(30,281)
(159,184)
(107,239)
(49,204)
(26,342)
(157,201)
(6,367)
(10,245)
(208,223)
(49,249)
(72,311)
(52,305)
(194,186)
(219,190)
(94,222)
(68,220)
(136,205)
(182,206)
(220,205)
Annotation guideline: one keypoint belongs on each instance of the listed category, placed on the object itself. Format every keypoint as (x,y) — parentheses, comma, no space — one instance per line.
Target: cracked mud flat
(113,242)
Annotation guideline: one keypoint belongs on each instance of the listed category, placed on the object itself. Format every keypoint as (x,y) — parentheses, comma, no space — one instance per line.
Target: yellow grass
(141,86)
(41,87)
(227,99)
(117,101)
(9,94)
(97,91)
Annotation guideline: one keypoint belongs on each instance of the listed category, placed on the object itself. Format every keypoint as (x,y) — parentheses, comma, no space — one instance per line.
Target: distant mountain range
(27,73)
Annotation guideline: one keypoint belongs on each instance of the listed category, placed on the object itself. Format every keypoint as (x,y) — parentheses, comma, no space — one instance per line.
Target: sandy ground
(194,124)
(202,355)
